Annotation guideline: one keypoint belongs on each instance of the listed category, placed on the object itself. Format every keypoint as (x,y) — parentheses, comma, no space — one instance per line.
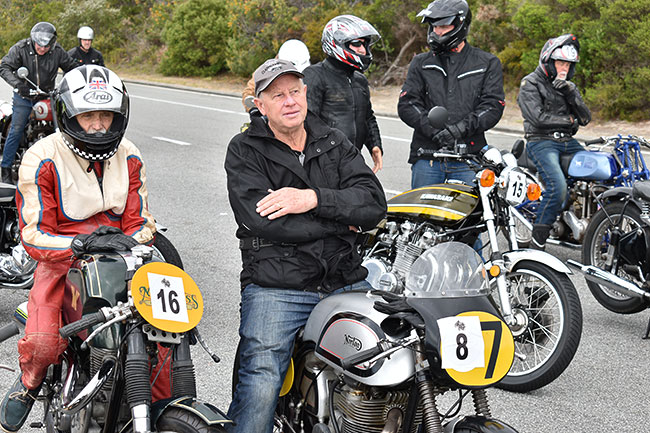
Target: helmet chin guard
(446,13)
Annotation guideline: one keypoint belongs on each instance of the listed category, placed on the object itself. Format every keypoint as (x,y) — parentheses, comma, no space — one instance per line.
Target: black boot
(540,234)
(7,176)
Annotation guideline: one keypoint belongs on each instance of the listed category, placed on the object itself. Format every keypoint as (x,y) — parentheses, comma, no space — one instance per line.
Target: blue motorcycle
(591,176)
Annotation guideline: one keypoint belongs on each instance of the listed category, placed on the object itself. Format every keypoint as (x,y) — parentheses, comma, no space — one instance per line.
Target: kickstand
(647,332)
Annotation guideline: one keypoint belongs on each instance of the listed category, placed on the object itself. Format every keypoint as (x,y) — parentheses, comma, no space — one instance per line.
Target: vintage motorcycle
(532,288)
(589,174)
(375,361)
(616,251)
(104,377)
(41,121)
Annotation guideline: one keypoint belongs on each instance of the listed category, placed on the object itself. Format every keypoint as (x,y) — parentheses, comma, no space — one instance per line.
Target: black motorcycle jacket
(469,84)
(547,113)
(92,57)
(42,69)
(314,250)
(340,96)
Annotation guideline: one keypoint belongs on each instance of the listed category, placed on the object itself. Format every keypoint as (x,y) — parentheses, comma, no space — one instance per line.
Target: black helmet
(566,48)
(339,31)
(44,34)
(91,88)
(444,13)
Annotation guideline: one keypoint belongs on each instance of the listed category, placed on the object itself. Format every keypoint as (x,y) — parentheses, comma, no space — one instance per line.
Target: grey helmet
(85,32)
(91,88)
(343,29)
(564,47)
(44,34)
(444,13)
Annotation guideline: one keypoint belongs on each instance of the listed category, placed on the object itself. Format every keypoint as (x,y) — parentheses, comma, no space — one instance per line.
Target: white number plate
(516,187)
(461,343)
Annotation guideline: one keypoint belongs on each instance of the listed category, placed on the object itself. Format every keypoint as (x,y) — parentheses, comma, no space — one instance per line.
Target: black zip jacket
(42,69)
(468,84)
(92,57)
(340,96)
(547,112)
(314,250)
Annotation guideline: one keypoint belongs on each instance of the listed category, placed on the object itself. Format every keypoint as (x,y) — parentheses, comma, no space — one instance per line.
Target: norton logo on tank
(98,95)
(350,340)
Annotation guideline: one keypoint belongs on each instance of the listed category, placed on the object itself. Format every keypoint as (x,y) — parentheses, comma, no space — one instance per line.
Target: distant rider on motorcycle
(80,189)
(42,56)
(553,110)
(84,53)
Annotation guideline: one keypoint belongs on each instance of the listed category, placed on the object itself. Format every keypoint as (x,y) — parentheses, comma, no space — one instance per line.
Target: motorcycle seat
(7,192)
(641,190)
(524,161)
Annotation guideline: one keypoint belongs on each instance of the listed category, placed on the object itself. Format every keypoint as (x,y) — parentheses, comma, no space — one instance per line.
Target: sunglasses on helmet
(357,43)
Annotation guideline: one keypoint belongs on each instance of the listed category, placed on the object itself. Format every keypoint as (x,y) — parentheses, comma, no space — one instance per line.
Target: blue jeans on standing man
(21,110)
(270,319)
(431,171)
(545,155)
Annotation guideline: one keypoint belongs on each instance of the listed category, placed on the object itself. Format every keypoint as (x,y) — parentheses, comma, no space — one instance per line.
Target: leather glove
(564,87)
(104,239)
(450,135)
(23,90)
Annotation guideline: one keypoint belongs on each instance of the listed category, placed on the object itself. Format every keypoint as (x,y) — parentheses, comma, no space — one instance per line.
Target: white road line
(169,140)
(388,137)
(195,92)
(190,105)
(392,191)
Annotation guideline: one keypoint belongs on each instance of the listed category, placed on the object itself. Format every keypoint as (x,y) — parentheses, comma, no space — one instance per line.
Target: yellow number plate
(498,349)
(167,297)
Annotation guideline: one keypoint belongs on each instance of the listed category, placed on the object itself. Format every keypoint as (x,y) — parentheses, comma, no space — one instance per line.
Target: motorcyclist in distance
(84,53)
(42,56)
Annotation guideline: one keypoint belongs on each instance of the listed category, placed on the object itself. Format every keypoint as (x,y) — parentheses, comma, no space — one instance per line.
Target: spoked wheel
(175,420)
(549,325)
(163,249)
(595,252)
(522,232)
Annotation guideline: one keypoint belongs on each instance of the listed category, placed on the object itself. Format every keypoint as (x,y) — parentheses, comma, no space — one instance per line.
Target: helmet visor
(567,53)
(42,38)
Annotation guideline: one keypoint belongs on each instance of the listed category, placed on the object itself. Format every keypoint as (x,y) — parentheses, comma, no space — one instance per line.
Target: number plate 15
(167,297)
(517,187)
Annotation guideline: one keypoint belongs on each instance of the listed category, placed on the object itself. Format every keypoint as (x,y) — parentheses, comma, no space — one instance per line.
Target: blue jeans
(20,114)
(270,319)
(431,171)
(546,157)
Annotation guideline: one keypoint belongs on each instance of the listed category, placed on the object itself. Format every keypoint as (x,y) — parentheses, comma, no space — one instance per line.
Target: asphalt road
(183,137)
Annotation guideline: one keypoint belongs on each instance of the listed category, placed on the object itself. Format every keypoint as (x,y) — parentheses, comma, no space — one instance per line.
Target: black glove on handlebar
(104,239)
(23,90)
(448,136)
(564,87)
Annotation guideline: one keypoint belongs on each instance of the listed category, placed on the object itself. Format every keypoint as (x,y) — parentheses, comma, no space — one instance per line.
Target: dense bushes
(203,37)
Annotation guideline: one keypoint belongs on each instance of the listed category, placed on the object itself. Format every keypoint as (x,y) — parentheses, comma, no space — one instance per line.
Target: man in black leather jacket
(553,110)
(84,53)
(42,56)
(465,80)
(337,90)
(300,192)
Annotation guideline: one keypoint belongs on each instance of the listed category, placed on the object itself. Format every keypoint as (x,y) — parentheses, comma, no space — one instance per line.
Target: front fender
(479,424)
(511,258)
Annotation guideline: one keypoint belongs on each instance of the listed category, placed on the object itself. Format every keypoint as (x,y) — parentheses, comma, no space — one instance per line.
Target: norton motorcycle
(375,361)
(532,288)
(40,124)
(589,175)
(616,252)
(114,335)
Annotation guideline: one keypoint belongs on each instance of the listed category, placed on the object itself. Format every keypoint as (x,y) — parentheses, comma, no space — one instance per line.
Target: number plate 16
(167,297)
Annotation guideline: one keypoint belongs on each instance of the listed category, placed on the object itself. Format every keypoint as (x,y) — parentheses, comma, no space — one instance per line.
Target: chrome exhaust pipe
(393,421)
(92,388)
(607,279)
(578,226)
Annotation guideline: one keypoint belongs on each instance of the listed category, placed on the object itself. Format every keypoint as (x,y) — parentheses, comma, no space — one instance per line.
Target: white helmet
(296,52)
(85,32)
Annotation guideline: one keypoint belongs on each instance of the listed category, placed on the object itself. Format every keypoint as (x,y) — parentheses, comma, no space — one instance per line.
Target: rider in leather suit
(84,53)
(553,110)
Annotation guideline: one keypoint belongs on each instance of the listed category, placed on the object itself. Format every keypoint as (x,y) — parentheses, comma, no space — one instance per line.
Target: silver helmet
(91,88)
(296,52)
(339,31)
(44,34)
(85,32)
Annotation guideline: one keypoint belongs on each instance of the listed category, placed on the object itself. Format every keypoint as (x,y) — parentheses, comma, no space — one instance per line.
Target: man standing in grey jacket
(42,56)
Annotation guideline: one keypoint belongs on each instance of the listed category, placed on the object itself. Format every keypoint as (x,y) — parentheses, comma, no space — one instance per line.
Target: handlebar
(614,138)
(8,331)
(598,140)
(84,323)
(363,356)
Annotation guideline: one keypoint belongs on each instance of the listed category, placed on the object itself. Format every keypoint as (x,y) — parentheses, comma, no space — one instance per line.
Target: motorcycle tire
(181,421)
(164,249)
(594,247)
(548,341)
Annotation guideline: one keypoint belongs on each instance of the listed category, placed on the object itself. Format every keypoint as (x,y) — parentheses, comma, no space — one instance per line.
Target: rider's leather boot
(6,175)
(540,234)
(16,405)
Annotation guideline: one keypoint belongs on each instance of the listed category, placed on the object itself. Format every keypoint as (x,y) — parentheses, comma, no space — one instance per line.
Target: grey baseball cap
(270,70)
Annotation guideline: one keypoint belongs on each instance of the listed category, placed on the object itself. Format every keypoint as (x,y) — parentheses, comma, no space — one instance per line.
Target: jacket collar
(316,128)
(337,67)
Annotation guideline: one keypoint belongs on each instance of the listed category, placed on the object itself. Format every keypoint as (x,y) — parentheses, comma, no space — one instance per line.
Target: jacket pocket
(282,267)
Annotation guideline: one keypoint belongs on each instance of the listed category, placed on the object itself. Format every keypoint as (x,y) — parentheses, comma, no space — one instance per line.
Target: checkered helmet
(91,88)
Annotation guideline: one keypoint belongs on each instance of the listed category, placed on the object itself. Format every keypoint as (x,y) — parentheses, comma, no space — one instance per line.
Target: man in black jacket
(465,80)
(300,192)
(337,90)
(84,53)
(42,56)
(553,110)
